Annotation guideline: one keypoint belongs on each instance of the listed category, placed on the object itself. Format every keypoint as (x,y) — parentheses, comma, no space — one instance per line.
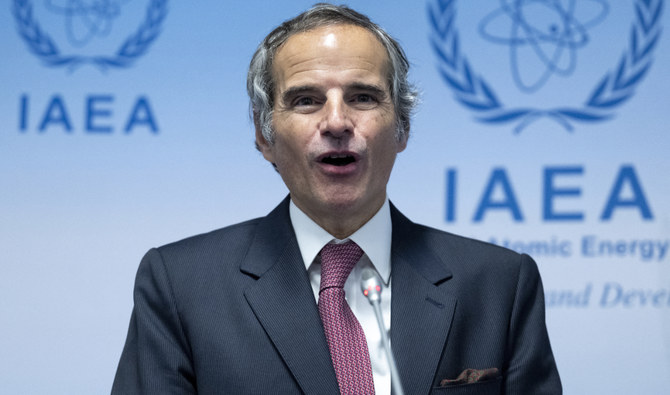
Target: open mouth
(338,160)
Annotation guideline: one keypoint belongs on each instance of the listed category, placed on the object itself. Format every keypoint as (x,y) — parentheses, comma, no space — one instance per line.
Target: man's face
(334,123)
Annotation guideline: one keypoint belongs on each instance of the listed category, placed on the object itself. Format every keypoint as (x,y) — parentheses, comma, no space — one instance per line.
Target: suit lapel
(284,304)
(283,301)
(421,307)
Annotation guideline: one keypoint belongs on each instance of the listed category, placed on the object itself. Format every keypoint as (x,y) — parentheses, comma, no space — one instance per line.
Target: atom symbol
(85,20)
(543,35)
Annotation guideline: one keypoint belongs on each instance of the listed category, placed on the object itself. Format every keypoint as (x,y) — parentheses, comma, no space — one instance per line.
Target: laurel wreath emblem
(41,44)
(613,89)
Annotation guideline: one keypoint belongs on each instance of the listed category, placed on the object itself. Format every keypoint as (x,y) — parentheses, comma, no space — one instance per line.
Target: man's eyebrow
(374,89)
(296,91)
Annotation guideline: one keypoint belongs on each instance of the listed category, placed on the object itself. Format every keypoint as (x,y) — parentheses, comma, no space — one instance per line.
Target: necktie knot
(337,261)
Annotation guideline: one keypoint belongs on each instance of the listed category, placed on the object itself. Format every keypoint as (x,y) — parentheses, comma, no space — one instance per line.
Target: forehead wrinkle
(327,61)
(362,79)
(289,63)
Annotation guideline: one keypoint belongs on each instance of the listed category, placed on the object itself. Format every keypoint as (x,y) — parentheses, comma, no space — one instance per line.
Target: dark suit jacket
(232,312)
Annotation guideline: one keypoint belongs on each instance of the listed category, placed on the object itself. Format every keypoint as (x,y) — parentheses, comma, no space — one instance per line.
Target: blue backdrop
(543,127)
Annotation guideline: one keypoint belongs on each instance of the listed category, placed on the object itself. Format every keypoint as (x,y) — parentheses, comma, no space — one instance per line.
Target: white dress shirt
(374,238)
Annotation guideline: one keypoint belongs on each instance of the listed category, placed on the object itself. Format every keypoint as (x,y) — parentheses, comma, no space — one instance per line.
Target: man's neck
(342,223)
(374,237)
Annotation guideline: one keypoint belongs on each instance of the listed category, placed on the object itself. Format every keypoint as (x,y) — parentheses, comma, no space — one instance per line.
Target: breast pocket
(488,387)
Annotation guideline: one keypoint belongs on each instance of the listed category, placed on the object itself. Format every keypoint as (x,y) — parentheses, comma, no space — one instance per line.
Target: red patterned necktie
(346,340)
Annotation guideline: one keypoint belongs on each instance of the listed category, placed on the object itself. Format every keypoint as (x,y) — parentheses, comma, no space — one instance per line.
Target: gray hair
(261,85)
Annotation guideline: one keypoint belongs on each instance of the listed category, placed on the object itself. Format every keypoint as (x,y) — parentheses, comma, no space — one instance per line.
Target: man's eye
(364,98)
(304,101)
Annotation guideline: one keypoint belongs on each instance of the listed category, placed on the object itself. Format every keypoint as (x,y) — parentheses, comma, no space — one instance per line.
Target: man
(248,309)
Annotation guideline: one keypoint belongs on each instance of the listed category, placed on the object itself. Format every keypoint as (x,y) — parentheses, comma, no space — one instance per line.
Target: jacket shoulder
(225,237)
(473,247)
(219,251)
(472,258)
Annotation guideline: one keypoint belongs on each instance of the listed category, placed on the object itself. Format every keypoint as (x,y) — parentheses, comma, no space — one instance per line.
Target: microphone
(371,286)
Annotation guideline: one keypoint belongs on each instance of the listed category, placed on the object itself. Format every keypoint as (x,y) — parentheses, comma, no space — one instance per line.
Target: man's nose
(337,120)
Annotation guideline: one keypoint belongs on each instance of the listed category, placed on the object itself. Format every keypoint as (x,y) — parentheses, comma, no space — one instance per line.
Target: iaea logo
(92,31)
(543,40)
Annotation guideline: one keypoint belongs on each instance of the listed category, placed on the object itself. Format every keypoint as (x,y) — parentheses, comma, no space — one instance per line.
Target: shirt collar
(374,238)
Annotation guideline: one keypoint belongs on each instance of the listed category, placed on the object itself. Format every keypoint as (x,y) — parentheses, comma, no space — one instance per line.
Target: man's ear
(262,144)
(402,144)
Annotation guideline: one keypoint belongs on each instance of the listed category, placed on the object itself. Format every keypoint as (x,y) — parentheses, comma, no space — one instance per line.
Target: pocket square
(469,376)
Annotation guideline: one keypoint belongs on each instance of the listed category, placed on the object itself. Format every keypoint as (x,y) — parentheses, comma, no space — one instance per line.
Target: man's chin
(352,206)
(345,201)
(330,204)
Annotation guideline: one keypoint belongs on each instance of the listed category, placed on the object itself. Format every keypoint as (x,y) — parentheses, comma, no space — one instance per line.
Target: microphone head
(371,285)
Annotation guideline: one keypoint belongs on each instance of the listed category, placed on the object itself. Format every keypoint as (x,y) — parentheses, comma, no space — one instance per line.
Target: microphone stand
(372,289)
